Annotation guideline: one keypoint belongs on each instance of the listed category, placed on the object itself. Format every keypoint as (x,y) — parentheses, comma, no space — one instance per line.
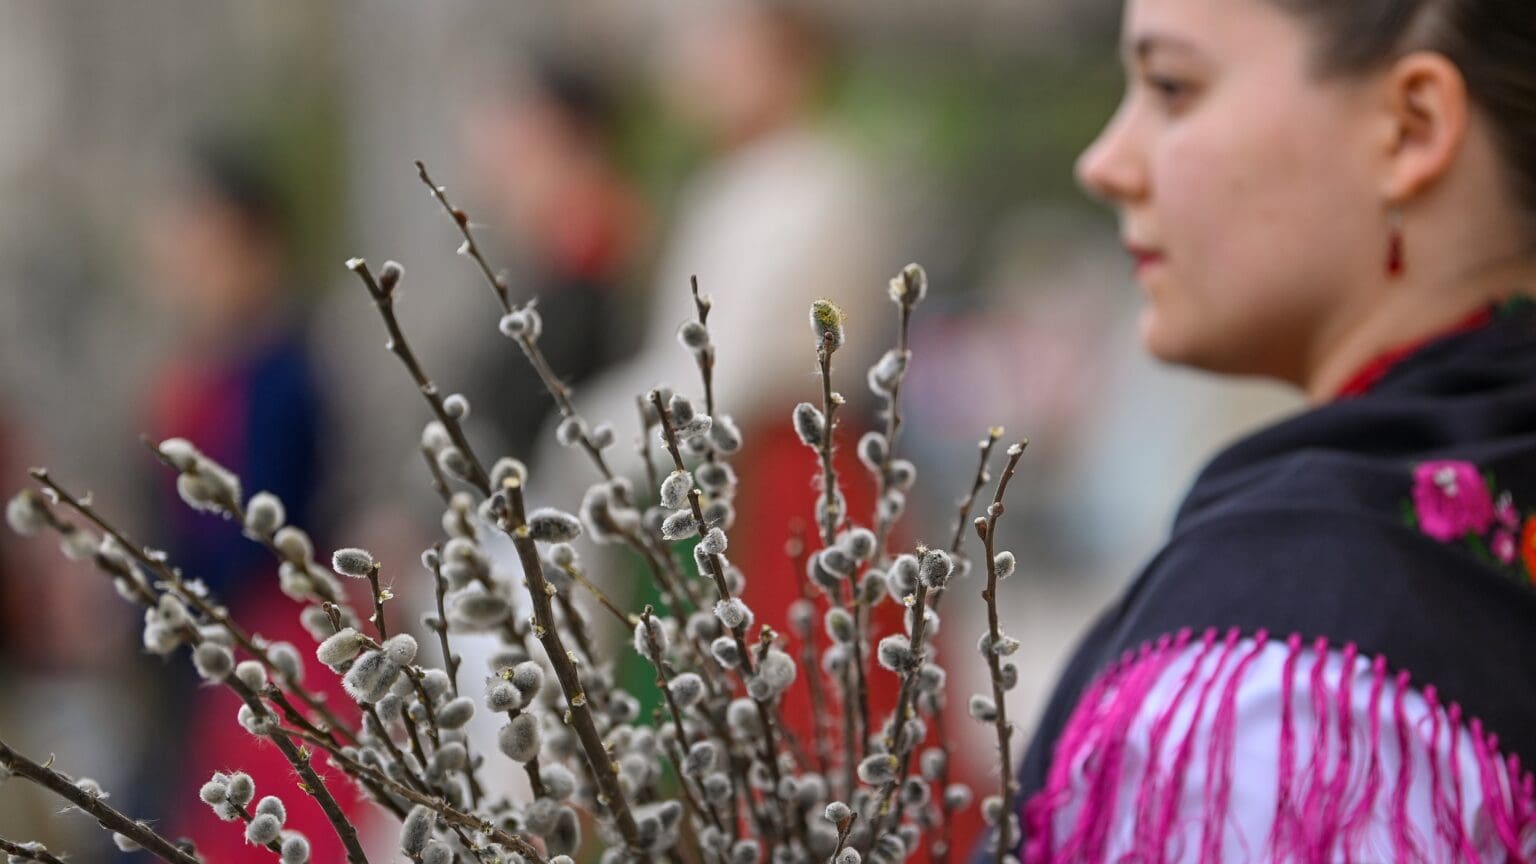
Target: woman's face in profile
(1243,182)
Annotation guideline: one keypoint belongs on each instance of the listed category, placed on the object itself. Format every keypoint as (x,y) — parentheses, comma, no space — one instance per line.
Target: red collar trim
(1368,376)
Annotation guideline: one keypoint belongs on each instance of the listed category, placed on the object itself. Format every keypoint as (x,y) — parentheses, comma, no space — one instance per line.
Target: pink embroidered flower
(1504,546)
(1451,500)
(1506,512)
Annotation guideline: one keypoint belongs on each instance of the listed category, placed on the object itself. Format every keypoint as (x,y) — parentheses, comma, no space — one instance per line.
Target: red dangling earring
(1394,242)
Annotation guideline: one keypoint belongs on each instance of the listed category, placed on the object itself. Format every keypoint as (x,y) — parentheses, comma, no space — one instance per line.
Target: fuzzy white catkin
(340,647)
(481,611)
(982,708)
(733,613)
(263,829)
(650,638)
(180,452)
(519,739)
(370,677)
(354,562)
(571,431)
(295,849)
(686,689)
(252,674)
(416,830)
(679,526)
(273,805)
(1004,563)
(502,697)
(880,768)
(836,812)
(24,513)
(400,649)
(264,514)
(213,661)
(559,782)
(675,488)
(778,669)
(214,791)
(456,406)
(240,789)
(724,434)
(437,852)
(809,424)
(934,567)
(895,653)
(849,855)
(714,542)
(528,677)
(456,713)
(294,544)
(549,525)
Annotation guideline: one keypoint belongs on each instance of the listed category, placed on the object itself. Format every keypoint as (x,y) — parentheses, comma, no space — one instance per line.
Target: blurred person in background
(542,152)
(239,385)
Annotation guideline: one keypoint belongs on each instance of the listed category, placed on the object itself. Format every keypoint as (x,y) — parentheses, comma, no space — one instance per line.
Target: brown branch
(384,299)
(513,520)
(452,815)
(19,852)
(108,817)
(986,527)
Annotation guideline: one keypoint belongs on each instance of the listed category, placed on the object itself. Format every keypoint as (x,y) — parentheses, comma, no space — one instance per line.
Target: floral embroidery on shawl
(1453,502)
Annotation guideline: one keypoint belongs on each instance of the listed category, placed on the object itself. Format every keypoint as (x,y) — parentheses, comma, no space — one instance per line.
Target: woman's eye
(1173,92)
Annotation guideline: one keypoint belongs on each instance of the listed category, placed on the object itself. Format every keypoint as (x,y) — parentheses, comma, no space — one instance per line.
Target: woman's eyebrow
(1146,44)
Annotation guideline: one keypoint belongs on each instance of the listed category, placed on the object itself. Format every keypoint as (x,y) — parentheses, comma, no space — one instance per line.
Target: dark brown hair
(1492,42)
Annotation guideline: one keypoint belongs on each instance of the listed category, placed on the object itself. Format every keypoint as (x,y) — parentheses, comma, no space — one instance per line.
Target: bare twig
(986,528)
(107,816)
(28,852)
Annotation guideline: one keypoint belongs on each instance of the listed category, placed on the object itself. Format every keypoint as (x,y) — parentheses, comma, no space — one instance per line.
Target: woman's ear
(1425,101)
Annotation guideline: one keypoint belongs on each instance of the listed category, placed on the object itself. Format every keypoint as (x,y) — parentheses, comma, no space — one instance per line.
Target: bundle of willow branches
(716,776)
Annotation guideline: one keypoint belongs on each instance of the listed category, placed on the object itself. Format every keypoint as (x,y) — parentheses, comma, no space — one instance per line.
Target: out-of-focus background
(180,181)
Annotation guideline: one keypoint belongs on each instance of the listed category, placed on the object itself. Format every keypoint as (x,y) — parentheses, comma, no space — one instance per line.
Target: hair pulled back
(1492,42)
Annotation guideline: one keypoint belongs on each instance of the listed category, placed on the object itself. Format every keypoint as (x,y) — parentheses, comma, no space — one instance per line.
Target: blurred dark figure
(542,149)
(239,384)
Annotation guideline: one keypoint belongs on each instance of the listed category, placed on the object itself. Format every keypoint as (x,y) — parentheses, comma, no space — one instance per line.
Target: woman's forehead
(1209,28)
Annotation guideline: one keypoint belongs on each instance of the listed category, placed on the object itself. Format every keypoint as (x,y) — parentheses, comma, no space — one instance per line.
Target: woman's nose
(1109,169)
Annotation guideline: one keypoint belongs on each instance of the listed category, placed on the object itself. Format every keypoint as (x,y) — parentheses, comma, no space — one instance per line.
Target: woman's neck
(1410,312)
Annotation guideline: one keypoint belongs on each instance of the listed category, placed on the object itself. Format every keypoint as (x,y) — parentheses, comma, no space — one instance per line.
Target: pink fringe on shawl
(1324,808)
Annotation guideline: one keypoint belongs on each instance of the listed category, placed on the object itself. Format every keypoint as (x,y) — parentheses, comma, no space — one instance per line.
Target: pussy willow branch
(107,816)
(831,518)
(893,421)
(499,288)
(384,299)
(23,853)
(716,566)
(810,651)
(439,588)
(940,850)
(216,615)
(664,685)
(514,521)
(246,817)
(893,741)
(236,512)
(716,572)
(705,359)
(451,814)
(986,527)
(172,577)
(329,745)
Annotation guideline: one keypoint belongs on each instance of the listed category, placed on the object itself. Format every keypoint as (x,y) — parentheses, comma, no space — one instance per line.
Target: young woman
(1334,656)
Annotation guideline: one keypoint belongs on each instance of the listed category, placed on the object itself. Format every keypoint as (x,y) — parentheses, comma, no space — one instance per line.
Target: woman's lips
(1143,257)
